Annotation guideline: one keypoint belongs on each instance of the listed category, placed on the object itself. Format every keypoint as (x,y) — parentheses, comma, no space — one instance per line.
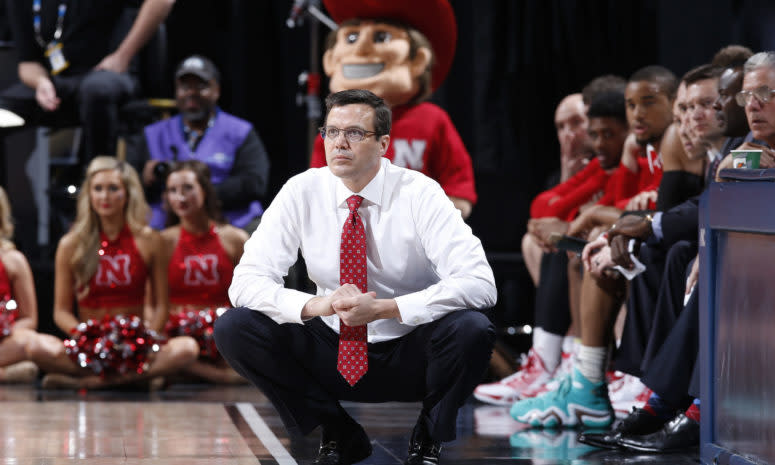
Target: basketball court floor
(193,424)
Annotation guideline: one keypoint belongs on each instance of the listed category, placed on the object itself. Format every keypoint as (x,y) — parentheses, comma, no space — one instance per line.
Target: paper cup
(746,159)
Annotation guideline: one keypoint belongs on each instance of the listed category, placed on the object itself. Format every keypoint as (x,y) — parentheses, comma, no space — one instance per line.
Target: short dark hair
(732,56)
(382,114)
(659,75)
(608,105)
(602,84)
(212,205)
(702,72)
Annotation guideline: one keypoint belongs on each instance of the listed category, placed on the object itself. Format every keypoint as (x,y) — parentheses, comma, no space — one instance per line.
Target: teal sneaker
(576,402)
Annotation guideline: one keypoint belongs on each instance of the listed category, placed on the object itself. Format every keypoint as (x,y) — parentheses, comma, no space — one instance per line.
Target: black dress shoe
(637,423)
(422,449)
(343,447)
(681,433)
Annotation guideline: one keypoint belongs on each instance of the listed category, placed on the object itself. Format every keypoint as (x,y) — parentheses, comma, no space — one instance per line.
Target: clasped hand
(596,257)
(626,228)
(354,307)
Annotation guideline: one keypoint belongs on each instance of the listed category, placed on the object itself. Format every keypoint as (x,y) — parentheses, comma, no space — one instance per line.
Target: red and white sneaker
(626,391)
(565,369)
(509,390)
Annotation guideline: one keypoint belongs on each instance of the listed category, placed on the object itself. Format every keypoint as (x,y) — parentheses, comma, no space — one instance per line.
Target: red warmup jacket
(626,184)
(617,189)
(570,195)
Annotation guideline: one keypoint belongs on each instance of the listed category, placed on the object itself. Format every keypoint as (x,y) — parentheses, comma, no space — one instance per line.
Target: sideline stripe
(255,444)
(262,431)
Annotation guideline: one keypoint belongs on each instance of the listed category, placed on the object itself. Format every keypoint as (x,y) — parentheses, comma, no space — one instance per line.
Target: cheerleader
(106,261)
(18,305)
(203,251)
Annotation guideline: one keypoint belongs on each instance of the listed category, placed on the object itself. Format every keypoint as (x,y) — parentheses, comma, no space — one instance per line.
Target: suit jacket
(682,221)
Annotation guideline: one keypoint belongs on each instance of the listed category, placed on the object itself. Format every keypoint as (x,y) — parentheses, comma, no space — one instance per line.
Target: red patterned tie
(352,362)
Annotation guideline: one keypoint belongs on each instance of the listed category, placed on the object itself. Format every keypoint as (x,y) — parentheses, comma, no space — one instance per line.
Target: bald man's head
(570,119)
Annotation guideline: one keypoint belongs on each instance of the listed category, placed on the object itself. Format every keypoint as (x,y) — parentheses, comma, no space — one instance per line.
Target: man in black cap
(228,145)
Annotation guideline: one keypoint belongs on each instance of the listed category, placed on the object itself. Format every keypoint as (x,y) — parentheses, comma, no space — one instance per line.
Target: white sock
(569,344)
(591,362)
(548,346)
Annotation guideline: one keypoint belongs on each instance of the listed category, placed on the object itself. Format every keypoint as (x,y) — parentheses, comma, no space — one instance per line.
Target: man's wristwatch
(650,221)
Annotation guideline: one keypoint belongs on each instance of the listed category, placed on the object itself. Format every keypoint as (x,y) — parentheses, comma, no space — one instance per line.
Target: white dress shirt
(419,250)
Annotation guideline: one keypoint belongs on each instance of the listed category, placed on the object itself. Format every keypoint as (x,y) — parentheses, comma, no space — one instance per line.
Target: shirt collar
(713,154)
(372,192)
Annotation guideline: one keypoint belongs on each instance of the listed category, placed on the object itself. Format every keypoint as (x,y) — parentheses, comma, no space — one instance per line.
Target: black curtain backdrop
(515,60)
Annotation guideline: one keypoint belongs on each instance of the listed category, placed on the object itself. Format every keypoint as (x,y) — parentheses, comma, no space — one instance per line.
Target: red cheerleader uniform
(200,271)
(199,276)
(121,274)
(7,316)
(117,344)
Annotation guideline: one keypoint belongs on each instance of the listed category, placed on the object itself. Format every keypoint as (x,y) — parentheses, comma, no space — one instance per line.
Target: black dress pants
(673,372)
(92,100)
(670,303)
(294,365)
(644,291)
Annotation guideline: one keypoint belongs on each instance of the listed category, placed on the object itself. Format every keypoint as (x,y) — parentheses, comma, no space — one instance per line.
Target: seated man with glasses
(758,100)
(399,277)
(228,145)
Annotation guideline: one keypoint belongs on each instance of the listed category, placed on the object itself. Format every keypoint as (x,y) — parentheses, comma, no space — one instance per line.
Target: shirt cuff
(413,309)
(291,304)
(656,225)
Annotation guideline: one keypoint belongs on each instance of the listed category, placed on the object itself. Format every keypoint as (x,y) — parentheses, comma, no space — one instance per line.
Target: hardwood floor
(200,424)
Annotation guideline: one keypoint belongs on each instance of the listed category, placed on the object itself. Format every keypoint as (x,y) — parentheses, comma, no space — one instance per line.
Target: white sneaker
(509,390)
(494,421)
(563,371)
(626,391)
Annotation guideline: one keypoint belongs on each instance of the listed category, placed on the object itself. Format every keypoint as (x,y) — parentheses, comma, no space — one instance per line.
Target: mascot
(402,50)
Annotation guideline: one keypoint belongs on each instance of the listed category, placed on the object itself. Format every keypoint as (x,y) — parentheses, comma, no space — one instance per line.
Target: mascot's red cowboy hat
(434,18)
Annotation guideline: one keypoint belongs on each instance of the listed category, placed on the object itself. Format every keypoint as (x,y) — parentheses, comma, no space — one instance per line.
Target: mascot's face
(375,56)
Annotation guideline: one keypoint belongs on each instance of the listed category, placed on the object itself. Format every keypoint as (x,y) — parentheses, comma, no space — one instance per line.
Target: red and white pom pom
(8,315)
(199,325)
(115,345)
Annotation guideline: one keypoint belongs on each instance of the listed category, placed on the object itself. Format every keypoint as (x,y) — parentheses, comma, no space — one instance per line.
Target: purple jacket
(217,149)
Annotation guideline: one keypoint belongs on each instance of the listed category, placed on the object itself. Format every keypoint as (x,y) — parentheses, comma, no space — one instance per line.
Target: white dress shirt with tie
(420,251)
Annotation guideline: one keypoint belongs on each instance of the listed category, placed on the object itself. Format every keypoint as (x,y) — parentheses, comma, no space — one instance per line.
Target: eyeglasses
(762,94)
(351,134)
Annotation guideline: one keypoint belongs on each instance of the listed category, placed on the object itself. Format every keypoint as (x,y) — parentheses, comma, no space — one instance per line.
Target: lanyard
(36,22)
(193,138)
